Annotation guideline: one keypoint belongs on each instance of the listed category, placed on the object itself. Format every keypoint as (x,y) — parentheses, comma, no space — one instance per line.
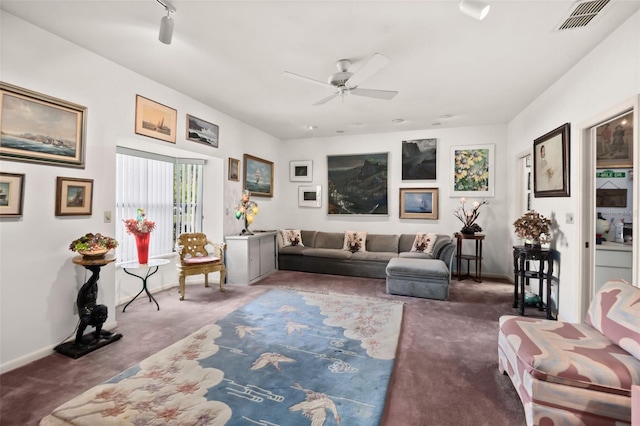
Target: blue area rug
(290,357)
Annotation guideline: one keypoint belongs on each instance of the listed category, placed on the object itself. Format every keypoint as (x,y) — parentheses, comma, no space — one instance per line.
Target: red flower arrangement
(140,225)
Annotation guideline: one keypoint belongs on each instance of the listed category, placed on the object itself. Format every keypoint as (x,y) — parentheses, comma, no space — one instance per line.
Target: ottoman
(426,278)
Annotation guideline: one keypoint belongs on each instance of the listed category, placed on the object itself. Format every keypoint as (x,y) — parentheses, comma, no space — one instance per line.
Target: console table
(476,256)
(151,268)
(523,256)
(250,257)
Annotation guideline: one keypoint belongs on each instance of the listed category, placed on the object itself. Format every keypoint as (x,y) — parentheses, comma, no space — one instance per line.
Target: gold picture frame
(258,176)
(419,203)
(155,120)
(614,142)
(234,169)
(11,194)
(74,197)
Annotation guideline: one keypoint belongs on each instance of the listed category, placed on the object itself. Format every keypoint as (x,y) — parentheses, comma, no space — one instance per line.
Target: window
(168,189)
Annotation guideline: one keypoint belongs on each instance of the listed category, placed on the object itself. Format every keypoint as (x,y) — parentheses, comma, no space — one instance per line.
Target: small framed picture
(614,142)
(418,203)
(202,131)
(155,120)
(11,194)
(234,169)
(74,197)
(551,163)
(310,196)
(301,171)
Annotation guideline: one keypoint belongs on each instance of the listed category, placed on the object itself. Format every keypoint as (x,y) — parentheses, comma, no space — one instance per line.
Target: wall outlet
(569,218)
(107,217)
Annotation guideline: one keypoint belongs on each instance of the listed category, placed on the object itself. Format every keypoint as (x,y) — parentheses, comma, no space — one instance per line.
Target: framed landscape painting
(155,120)
(258,176)
(202,131)
(419,159)
(418,203)
(11,194)
(41,129)
(473,171)
(551,163)
(74,197)
(614,142)
(358,184)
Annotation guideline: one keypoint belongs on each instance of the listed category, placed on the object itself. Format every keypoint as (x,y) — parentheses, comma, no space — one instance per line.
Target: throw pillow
(355,241)
(424,242)
(291,237)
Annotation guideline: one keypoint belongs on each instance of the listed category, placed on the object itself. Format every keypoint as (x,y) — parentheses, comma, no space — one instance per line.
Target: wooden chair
(196,259)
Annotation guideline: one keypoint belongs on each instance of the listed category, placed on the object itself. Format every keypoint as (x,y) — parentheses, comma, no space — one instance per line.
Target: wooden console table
(476,257)
(522,273)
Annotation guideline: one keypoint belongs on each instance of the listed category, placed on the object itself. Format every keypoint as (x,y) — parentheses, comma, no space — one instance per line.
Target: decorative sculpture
(246,210)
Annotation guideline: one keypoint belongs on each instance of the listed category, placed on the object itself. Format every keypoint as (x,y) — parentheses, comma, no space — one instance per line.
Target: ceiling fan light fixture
(474,8)
(166,23)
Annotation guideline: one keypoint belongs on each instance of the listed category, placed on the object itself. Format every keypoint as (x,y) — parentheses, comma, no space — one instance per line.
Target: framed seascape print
(234,169)
(11,194)
(74,197)
(155,120)
(418,203)
(473,171)
(202,131)
(551,163)
(358,184)
(419,159)
(614,142)
(258,176)
(310,196)
(301,171)
(41,129)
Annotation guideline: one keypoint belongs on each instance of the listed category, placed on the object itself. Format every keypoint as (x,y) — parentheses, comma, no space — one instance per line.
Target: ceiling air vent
(582,13)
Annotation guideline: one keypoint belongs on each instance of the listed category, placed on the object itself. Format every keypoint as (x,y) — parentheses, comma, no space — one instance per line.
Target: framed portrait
(419,159)
(551,163)
(258,176)
(614,142)
(37,128)
(472,171)
(74,197)
(358,184)
(155,120)
(202,131)
(234,169)
(301,171)
(11,194)
(418,203)
(310,196)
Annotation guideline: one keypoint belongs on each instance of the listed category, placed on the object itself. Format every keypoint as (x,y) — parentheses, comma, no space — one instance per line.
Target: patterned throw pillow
(424,242)
(355,241)
(291,237)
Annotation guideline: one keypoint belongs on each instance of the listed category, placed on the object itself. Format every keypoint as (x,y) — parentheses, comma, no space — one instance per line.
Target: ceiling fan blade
(373,65)
(306,79)
(327,99)
(372,93)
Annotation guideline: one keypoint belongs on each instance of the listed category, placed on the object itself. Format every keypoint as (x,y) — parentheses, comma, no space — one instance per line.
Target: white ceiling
(231,55)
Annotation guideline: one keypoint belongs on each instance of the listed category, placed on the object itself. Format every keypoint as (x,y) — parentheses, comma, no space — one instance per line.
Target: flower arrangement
(139,225)
(246,210)
(93,243)
(533,226)
(469,217)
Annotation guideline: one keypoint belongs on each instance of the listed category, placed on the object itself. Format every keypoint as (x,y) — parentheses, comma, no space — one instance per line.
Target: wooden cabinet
(613,261)
(250,257)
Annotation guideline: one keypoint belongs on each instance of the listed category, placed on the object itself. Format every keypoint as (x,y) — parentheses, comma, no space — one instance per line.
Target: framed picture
(551,163)
(301,171)
(418,203)
(358,184)
(419,159)
(258,176)
(37,128)
(202,131)
(74,197)
(614,142)
(155,120)
(11,194)
(234,169)
(310,196)
(473,171)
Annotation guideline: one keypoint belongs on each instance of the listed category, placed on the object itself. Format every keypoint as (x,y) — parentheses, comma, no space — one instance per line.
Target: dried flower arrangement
(93,243)
(139,225)
(533,226)
(469,217)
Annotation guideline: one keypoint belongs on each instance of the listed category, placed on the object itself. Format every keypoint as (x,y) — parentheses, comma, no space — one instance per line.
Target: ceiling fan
(344,82)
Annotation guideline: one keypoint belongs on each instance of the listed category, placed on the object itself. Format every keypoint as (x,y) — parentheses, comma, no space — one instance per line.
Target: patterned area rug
(290,357)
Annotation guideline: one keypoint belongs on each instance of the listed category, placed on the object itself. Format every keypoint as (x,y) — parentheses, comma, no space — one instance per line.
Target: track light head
(476,9)
(166,29)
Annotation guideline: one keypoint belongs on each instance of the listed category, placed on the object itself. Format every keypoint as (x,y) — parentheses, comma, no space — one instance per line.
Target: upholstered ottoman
(427,278)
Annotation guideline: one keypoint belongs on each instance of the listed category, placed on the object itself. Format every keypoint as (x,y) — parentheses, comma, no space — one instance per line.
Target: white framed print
(472,171)
(310,196)
(301,171)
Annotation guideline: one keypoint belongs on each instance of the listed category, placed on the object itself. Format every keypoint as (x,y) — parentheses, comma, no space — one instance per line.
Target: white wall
(38,281)
(608,75)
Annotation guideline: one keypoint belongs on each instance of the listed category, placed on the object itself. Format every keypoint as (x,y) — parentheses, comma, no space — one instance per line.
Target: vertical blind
(170,192)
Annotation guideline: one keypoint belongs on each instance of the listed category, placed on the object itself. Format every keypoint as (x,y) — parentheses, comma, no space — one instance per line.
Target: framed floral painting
(473,171)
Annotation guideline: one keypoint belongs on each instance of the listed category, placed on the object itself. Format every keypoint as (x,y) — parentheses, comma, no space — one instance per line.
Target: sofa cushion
(424,242)
(615,312)
(415,255)
(330,253)
(329,240)
(355,241)
(375,256)
(382,243)
(292,249)
(291,237)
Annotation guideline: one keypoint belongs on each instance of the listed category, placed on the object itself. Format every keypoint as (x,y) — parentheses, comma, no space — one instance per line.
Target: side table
(151,268)
(522,273)
(90,313)
(476,257)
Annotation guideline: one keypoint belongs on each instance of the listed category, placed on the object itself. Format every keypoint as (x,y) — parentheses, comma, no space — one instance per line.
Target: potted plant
(93,245)
(533,228)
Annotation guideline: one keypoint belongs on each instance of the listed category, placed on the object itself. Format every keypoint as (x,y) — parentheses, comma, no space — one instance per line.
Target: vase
(532,243)
(467,230)
(142,244)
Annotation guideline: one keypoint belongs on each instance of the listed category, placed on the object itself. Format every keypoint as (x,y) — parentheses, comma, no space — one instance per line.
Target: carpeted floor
(445,371)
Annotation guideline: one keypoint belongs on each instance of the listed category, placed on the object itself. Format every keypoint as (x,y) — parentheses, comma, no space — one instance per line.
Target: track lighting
(166,24)
(476,9)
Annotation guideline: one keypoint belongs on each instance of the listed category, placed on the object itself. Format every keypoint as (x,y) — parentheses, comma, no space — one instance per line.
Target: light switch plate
(569,218)
(107,217)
